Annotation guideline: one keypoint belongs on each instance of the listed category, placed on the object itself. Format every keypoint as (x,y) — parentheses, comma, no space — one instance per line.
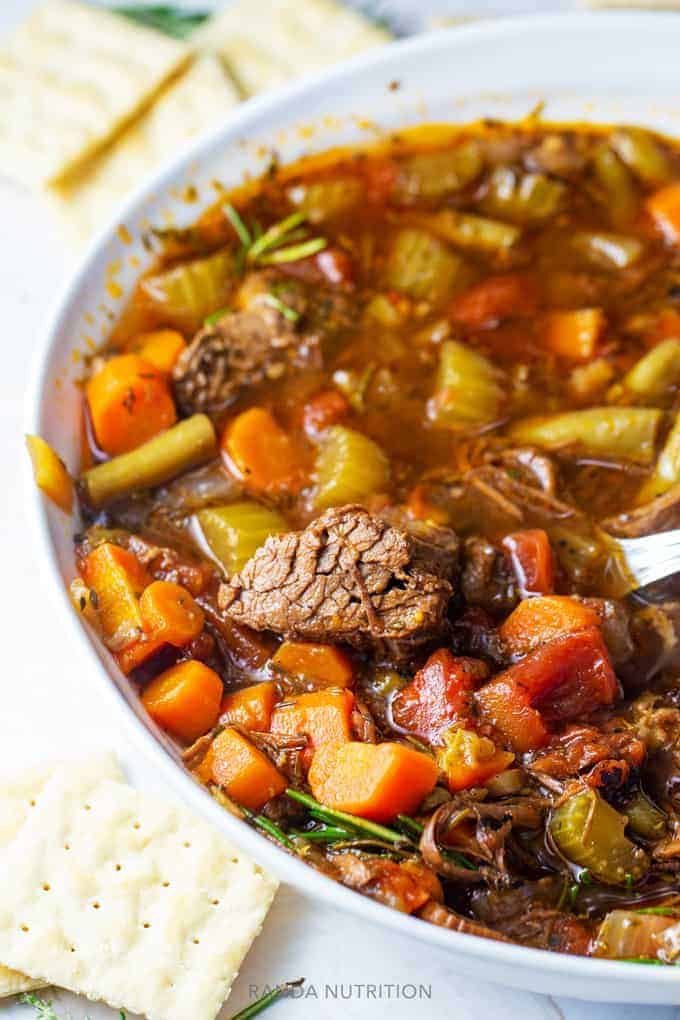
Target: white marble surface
(47,703)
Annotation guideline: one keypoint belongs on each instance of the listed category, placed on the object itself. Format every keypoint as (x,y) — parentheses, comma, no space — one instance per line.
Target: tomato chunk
(497,298)
(439,695)
(567,678)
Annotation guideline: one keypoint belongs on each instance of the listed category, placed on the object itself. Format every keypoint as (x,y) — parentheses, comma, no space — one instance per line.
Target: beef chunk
(240,349)
(350,577)
(488,581)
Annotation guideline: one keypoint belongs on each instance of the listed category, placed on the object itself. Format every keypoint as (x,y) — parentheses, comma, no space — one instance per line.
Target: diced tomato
(532,560)
(494,299)
(439,695)
(381,176)
(563,680)
(325,408)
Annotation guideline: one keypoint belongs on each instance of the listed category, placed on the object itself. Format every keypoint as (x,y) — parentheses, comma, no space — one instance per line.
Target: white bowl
(585,67)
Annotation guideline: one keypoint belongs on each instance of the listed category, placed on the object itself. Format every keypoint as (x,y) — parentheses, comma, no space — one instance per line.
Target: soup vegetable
(356,451)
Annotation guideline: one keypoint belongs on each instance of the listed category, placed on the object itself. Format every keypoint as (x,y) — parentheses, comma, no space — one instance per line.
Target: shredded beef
(349,576)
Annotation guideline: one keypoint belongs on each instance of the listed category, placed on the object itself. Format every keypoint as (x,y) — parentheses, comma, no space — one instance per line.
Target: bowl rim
(303,877)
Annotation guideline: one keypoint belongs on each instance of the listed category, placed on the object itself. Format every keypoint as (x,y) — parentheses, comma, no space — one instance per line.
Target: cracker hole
(187,845)
(118,867)
(31,803)
(166,885)
(96,906)
(73,949)
(24,927)
(136,825)
(215,903)
(88,807)
(46,887)
(196,942)
(146,925)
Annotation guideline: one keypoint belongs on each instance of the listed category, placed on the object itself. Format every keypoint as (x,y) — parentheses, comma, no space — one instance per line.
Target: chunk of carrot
(117,579)
(574,335)
(494,299)
(261,455)
(321,716)
(161,348)
(245,773)
(170,613)
(536,621)
(50,473)
(470,760)
(185,699)
(321,665)
(130,402)
(250,707)
(664,208)
(532,559)
(376,781)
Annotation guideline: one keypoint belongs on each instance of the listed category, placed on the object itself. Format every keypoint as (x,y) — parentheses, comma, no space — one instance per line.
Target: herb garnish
(286,241)
(164,18)
(43,1007)
(266,1000)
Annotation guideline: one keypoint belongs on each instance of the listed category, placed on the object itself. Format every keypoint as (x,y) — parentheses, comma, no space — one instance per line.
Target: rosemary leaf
(270,827)
(164,18)
(295,252)
(239,226)
(275,235)
(261,1004)
(361,825)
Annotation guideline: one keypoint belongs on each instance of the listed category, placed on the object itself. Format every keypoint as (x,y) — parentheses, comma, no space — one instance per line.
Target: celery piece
(588,831)
(643,154)
(467,389)
(609,251)
(434,174)
(645,818)
(186,294)
(522,198)
(349,467)
(422,266)
(619,188)
(630,935)
(469,231)
(655,372)
(324,200)
(625,433)
(234,533)
(186,445)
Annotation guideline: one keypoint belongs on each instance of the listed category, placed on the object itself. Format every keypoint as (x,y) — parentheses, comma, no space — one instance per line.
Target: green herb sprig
(173,21)
(43,1007)
(286,241)
(262,1003)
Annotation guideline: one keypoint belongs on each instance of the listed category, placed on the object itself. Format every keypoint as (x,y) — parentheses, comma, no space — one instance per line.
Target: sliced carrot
(258,451)
(185,700)
(470,760)
(376,781)
(117,579)
(532,560)
(322,665)
(574,335)
(136,654)
(321,716)
(130,402)
(494,299)
(161,348)
(536,621)
(251,707)
(664,208)
(50,473)
(170,613)
(245,773)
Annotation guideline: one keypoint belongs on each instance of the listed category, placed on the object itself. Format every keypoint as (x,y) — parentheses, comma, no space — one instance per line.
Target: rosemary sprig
(285,241)
(164,18)
(269,827)
(43,1007)
(415,831)
(286,311)
(346,821)
(266,1000)
(328,834)
(215,317)
(659,911)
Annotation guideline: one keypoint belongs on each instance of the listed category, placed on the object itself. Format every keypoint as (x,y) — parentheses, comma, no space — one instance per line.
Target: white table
(48,704)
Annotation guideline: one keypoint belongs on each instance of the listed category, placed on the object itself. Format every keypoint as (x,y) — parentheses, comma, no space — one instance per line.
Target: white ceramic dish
(584,67)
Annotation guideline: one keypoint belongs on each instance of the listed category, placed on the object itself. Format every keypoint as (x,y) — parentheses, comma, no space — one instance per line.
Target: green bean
(655,372)
(609,251)
(588,831)
(469,231)
(667,470)
(235,532)
(643,154)
(349,467)
(467,388)
(434,174)
(186,445)
(625,433)
(618,186)
(422,266)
